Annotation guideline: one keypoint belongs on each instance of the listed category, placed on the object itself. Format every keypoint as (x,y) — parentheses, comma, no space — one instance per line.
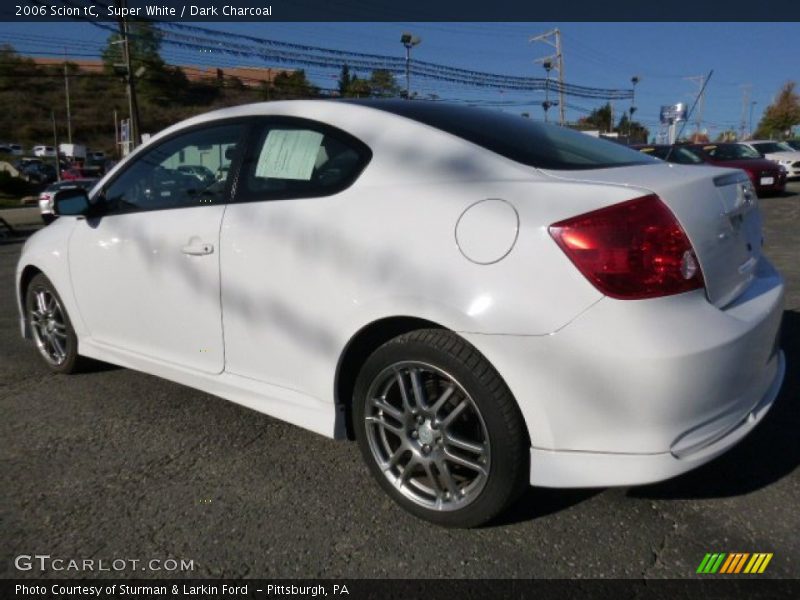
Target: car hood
(783,155)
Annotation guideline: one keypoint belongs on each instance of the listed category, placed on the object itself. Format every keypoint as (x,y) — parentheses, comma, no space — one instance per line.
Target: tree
(359,88)
(383,84)
(344,80)
(780,116)
(599,118)
(633,130)
(293,84)
(144,42)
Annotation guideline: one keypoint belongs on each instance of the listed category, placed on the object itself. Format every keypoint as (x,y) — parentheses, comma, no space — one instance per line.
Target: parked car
(793,144)
(12,149)
(671,153)
(200,172)
(36,171)
(482,300)
(44,151)
(765,175)
(46,197)
(779,152)
(75,172)
(72,151)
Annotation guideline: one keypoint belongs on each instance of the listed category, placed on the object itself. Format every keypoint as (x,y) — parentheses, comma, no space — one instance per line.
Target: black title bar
(405,10)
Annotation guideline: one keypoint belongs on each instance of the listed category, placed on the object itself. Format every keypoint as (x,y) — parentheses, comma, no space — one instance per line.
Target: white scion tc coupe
(482,301)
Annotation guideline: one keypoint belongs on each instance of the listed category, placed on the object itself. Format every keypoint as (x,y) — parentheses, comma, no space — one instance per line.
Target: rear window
(528,142)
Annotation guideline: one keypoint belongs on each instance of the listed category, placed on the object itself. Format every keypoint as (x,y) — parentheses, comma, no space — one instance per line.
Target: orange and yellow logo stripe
(735,562)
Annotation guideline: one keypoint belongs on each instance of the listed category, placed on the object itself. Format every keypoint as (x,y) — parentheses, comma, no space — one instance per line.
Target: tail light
(632,250)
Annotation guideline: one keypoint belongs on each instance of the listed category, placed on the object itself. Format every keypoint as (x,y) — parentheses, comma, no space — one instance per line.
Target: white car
(779,152)
(482,301)
(47,195)
(44,151)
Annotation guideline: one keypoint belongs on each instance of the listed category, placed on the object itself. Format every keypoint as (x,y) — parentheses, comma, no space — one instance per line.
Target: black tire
(439,359)
(71,361)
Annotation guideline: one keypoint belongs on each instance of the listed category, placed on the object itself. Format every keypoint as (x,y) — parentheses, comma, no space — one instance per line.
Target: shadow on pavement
(540,502)
(768,454)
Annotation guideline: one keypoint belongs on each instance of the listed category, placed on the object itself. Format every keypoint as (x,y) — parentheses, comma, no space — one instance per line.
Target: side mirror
(72,202)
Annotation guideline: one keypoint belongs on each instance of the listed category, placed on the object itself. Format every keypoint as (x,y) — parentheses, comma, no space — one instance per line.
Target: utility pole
(700,80)
(750,129)
(746,88)
(133,107)
(55,145)
(66,89)
(553,38)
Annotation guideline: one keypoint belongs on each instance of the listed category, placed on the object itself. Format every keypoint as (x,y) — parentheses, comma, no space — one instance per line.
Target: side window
(298,160)
(187,170)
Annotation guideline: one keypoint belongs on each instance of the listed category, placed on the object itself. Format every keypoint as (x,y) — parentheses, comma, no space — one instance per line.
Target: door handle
(198,249)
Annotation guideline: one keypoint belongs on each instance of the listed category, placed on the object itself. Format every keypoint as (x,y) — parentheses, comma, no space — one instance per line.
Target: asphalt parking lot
(116,464)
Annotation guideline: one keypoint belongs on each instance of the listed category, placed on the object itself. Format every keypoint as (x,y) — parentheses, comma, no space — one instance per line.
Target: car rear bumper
(559,469)
(633,392)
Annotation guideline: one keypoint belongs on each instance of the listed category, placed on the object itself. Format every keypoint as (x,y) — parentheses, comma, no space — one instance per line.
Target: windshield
(678,154)
(772,147)
(528,142)
(730,152)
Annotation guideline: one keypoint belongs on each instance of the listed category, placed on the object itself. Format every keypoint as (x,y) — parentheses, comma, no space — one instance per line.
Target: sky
(662,55)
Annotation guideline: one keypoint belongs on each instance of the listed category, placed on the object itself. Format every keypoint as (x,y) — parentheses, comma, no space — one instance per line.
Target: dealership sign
(673,113)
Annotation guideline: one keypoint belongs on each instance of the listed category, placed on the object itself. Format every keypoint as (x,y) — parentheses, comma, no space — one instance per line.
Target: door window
(190,169)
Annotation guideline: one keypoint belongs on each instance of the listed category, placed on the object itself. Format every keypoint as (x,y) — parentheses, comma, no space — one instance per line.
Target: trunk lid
(717,208)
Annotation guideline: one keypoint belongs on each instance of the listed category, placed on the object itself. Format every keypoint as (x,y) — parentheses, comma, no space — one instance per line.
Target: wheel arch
(25,278)
(362,344)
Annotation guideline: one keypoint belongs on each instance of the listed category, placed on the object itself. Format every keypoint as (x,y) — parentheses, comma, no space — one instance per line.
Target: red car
(767,176)
(74,173)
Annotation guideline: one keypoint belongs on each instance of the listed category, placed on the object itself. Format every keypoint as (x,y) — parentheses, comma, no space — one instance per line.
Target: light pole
(634,81)
(409,41)
(548,66)
(752,104)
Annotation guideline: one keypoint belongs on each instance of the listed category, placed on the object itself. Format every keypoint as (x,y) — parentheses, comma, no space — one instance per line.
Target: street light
(409,41)
(634,81)
(752,104)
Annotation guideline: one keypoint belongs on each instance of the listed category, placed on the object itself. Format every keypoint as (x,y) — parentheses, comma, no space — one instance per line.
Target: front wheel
(439,429)
(50,325)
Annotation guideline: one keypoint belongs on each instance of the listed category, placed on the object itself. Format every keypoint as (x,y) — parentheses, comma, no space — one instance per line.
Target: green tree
(344,80)
(144,41)
(359,88)
(383,84)
(633,130)
(293,84)
(599,118)
(780,116)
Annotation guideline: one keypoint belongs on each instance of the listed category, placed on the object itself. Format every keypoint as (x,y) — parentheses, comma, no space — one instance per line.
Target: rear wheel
(439,429)
(50,325)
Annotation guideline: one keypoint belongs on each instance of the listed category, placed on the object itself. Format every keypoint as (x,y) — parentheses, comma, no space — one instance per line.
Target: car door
(279,248)
(145,272)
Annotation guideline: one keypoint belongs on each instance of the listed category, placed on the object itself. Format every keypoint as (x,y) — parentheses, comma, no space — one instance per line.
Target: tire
(440,430)
(51,327)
